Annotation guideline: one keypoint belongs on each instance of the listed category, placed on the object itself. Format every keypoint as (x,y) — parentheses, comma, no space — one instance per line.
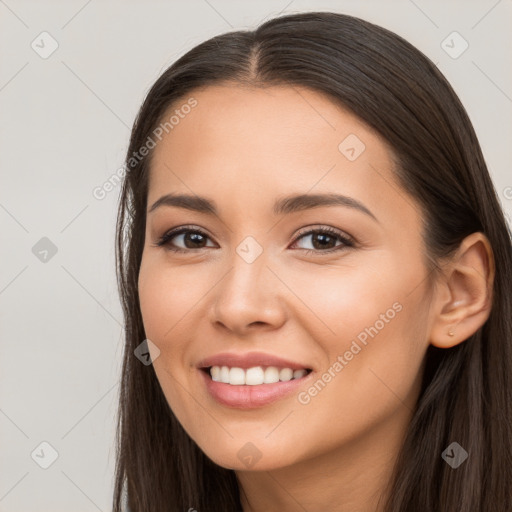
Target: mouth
(254,387)
(254,376)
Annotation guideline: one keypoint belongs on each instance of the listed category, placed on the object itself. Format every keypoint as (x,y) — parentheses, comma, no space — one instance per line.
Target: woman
(312,255)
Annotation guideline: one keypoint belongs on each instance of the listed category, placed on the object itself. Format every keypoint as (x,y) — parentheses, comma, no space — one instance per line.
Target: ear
(462,299)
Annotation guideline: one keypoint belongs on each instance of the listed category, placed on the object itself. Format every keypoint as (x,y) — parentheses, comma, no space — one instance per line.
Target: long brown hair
(467,390)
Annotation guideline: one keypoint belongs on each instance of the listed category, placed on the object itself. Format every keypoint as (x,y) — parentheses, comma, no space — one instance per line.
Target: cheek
(167,299)
(339,302)
(166,296)
(371,328)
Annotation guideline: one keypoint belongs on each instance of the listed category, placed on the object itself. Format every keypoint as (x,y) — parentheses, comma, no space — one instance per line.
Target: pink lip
(250,397)
(249,360)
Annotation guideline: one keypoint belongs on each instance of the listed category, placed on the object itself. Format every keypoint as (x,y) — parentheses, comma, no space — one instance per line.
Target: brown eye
(192,240)
(325,240)
(183,239)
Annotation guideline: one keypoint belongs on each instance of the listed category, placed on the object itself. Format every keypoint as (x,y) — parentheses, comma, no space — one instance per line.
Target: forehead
(252,144)
(290,122)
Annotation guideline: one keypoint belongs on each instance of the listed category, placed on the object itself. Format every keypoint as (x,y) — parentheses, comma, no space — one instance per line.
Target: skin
(244,148)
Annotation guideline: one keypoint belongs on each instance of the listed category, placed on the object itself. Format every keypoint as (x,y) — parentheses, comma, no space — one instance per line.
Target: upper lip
(249,360)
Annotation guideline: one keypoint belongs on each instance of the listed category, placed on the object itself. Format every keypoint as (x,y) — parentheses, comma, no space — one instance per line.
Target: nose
(248,298)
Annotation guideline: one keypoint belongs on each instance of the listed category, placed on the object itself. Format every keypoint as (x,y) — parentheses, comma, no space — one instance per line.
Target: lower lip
(250,397)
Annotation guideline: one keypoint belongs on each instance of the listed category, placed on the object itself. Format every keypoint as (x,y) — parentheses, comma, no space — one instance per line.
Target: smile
(242,395)
(254,376)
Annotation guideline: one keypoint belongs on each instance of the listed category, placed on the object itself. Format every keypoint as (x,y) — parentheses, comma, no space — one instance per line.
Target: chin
(251,454)
(233,462)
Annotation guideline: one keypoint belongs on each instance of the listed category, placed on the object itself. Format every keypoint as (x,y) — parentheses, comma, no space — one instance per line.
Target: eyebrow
(283,206)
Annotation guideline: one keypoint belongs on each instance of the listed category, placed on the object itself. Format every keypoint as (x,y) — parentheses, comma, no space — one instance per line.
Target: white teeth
(297,374)
(285,374)
(224,374)
(254,376)
(236,376)
(271,375)
(215,373)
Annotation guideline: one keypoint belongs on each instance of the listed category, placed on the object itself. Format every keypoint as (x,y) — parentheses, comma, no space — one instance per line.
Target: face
(335,287)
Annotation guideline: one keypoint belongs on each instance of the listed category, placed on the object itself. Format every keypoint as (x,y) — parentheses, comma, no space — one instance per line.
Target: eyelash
(346,242)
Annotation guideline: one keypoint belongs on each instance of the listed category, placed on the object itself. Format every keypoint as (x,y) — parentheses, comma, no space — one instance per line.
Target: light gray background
(64,130)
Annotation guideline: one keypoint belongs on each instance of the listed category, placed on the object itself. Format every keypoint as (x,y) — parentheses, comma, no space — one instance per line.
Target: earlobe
(462,302)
